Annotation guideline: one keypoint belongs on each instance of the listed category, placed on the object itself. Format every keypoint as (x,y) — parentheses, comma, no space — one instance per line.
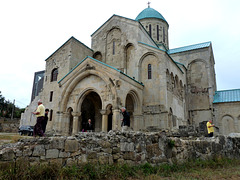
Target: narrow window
(51,96)
(54,74)
(163,34)
(113,47)
(158,32)
(150,30)
(149,71)
(51,114)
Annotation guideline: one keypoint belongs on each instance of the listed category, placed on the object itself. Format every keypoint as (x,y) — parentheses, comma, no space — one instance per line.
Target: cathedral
(131,65)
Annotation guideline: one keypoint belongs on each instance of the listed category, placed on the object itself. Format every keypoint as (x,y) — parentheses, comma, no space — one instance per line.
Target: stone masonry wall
(9,126)
(117,147)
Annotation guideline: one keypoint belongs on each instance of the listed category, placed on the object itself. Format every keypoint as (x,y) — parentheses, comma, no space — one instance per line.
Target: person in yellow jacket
(40,113)
(210,128)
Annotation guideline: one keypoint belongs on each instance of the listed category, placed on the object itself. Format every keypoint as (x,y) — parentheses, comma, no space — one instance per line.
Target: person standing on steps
(126,120)
(210,128)
(40,112)
(89,126)
(44,123)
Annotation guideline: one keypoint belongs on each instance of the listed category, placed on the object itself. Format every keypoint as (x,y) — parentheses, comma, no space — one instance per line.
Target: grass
(10,138)
(198,169)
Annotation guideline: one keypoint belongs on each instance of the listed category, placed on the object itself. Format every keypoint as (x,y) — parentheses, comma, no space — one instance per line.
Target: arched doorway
(110,114)
(70,110)
(130,109)
(90,109)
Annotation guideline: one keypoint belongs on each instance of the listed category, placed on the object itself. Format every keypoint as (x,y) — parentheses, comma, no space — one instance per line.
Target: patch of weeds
(171,143)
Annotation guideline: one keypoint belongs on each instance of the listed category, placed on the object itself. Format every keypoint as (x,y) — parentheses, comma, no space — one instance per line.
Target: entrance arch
(132,106)
(227,125)
(90,109)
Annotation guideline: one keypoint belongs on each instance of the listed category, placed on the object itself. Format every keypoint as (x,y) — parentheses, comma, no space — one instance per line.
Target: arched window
(163,34)
(113,47)
(149,71)
(51,115)
(150,30)
(158,32)
(54,74)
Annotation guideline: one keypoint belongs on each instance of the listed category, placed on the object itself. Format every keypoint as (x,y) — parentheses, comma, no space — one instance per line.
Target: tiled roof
(149,13)
(232,95)
(189,48)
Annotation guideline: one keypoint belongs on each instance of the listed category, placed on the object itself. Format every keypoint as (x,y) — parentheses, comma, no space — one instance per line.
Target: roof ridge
(227,90)
(189,47)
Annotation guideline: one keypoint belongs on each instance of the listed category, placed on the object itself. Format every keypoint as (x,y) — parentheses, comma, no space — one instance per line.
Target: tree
(6,108)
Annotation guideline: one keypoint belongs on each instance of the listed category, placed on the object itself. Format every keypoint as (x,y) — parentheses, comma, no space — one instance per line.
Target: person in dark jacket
(126,120)
(89,126)
(44,123)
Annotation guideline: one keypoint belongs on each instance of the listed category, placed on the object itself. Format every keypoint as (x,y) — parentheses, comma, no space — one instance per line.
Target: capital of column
(76,113)
(116,110)
(103,111)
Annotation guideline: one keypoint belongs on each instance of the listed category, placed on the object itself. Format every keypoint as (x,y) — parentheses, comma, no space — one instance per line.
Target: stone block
(129,156)
(56,161)
(57,143)
(52,153)
(39,150)
(71,161)
(126,147)
(105,144)
(63,154)
(7,155)
(82,159)
(116,150)
(91,155)
(71,145)
(103,159)
(153,150)
(108,150)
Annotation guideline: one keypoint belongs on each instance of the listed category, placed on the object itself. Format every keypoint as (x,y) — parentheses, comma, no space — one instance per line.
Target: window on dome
(163,34)
(150,30)
(149,71)
(158,32)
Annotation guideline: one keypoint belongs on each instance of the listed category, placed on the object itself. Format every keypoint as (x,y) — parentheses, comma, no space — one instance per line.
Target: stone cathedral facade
(129,64)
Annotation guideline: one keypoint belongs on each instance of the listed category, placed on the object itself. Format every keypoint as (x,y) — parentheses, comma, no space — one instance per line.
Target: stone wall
(9,126)
(117,147)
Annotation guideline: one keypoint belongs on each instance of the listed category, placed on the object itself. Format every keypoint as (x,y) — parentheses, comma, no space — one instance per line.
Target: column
(104,120)
(76,116)
(65,123)
(116,119)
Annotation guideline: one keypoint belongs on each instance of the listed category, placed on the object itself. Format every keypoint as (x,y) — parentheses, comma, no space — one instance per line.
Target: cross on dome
(148,4)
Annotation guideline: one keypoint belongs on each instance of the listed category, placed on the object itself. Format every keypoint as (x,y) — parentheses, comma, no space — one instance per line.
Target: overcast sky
(31,30)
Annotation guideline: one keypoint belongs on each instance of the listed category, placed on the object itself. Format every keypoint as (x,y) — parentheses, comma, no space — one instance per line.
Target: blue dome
(150,13)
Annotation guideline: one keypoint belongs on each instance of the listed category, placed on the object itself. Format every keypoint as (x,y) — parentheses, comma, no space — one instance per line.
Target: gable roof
(71,38)
(189,48)
(232,95)
(104,65)
(114,15)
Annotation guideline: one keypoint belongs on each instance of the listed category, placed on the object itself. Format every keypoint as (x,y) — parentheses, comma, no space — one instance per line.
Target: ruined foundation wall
(117,147)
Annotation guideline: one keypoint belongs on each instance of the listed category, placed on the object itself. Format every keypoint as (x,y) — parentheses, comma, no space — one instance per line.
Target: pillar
(104,120)
(76,116)
(116,119)
(65,123)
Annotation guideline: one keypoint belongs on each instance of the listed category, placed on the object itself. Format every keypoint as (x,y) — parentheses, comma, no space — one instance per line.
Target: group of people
(42,119)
